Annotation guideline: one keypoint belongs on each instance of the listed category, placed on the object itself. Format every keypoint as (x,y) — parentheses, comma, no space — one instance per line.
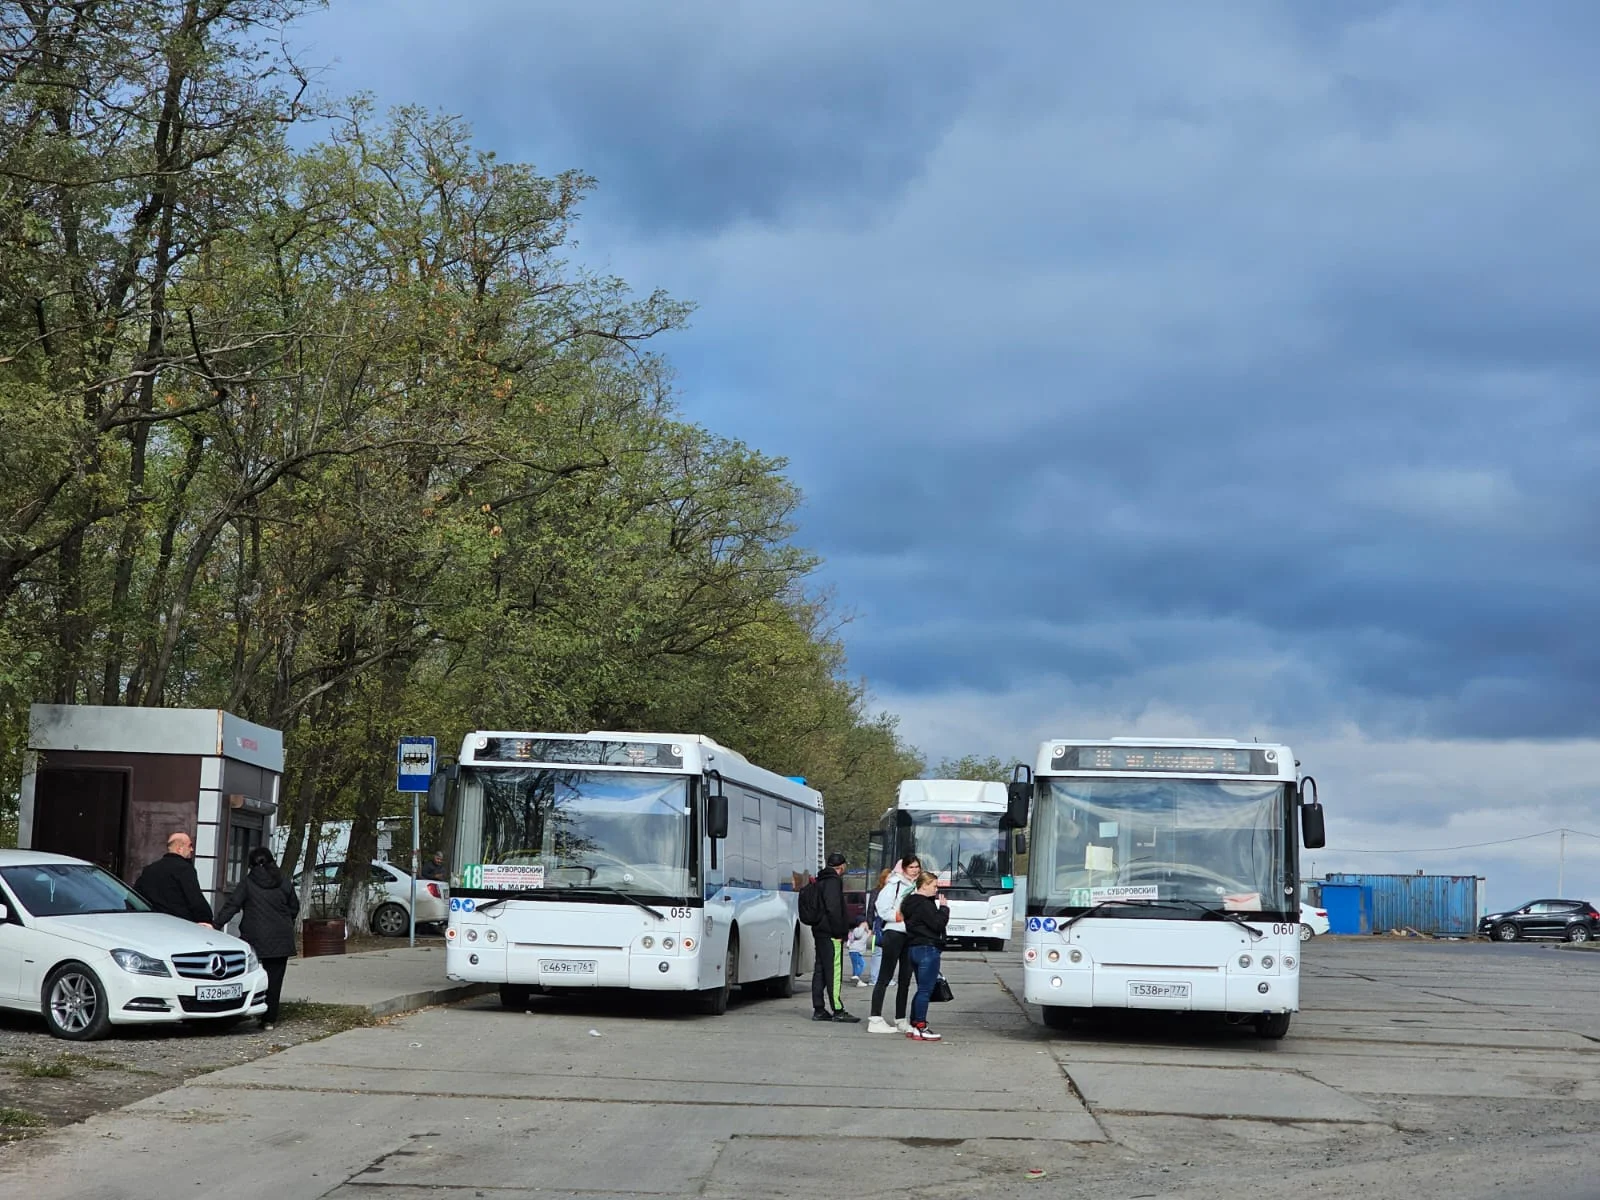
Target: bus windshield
(968,851)
(1202,843)
(544,828)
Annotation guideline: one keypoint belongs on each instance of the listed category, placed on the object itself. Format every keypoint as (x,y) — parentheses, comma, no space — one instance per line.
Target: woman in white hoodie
(901,882)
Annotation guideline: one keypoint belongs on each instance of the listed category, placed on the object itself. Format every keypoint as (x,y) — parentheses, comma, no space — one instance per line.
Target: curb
(412,1001)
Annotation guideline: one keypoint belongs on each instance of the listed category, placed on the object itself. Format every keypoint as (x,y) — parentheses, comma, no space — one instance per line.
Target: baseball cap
(836,859)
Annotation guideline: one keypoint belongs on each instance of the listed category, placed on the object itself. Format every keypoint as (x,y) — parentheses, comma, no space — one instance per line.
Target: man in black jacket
(171,885)
(827,935)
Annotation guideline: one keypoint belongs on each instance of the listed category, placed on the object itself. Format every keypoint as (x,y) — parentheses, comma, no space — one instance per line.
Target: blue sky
(1162,369)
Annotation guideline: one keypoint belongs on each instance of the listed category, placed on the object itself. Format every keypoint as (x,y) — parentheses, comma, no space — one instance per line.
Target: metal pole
(416,847)
(1561,866)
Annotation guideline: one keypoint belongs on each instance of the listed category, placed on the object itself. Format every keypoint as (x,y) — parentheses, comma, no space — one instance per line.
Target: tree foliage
(337,439)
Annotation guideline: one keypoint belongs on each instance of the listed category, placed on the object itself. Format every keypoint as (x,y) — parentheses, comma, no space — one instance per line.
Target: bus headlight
(1054,956)
(491,936)
(472,935)
(688,943)
(1244,960)
(1055,981)
(1031,954)
(1266,962)
(647,941)
(1076,956)
(1288,962)
(667,943)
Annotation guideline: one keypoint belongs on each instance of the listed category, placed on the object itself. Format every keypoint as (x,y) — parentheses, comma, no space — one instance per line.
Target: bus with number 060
(1164,875)
(647,861)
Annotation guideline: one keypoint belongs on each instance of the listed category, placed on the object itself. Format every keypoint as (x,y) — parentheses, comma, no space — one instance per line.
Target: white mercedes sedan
(85,951)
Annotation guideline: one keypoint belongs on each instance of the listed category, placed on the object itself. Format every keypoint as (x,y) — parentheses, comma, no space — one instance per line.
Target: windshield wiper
(608,890)
(525,894)
(1220,914)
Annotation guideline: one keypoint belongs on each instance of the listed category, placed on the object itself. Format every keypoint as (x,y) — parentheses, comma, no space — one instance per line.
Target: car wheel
(515,996)
(390,920)
(1505,932)
(714,1001)
(1056,1017)
(75,1004)
(1272,1025)
(1307,933)
(1578,933)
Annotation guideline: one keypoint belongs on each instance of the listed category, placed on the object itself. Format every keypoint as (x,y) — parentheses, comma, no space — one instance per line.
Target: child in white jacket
(858,945)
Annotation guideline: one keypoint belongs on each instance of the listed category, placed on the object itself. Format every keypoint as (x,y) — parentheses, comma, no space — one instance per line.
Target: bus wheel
(1272,1025)
(1056,1017)
(781,987)
(515,996)
(714,1001)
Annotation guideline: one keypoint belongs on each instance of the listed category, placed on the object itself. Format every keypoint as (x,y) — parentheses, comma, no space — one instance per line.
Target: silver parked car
(391,910)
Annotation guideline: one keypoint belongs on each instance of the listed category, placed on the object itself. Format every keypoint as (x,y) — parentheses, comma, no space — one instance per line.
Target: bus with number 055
(1164,875)
(648,861)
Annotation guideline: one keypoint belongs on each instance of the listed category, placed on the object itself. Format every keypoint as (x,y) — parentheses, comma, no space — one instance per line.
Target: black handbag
(941,991)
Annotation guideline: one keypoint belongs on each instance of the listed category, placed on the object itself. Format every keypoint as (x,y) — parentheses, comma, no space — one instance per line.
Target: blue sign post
(414,772)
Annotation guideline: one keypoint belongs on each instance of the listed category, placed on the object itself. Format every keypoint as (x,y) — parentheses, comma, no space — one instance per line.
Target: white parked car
(1313,921)
(391,908)
(84,950)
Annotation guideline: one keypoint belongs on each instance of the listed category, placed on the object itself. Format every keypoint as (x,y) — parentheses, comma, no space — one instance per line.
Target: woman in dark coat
(269,904)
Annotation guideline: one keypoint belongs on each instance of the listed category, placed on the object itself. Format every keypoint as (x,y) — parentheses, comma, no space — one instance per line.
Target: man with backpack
(822,908)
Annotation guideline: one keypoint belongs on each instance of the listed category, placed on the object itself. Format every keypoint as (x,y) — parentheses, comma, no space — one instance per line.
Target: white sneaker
(879,1025)
(903,1024)
(861,983)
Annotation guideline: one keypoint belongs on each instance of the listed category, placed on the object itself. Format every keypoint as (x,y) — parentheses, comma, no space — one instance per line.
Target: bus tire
(1056,1017)
(515,996)
(1272,1025)
(714,1001)
(781,987)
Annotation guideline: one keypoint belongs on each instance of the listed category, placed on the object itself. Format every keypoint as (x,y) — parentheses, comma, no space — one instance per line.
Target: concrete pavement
(383,982)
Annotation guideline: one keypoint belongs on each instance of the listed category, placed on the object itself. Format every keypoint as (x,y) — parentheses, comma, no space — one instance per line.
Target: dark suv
(1570,920)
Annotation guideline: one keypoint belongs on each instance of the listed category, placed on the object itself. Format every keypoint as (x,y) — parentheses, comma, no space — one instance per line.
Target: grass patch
(19,1118)
(46,1070)
(336,1017)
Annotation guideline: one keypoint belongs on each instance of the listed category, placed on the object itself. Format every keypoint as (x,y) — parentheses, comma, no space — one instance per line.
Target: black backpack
(811,908)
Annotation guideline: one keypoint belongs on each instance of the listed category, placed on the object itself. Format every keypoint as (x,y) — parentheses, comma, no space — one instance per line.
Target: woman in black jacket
(926,916)
(269,904)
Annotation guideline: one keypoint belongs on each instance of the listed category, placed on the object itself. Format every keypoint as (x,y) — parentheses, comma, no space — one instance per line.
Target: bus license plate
(219,991)
(567,966)
(1158,991)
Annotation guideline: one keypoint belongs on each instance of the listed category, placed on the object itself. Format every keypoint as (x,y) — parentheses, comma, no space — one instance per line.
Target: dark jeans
(274,967)
(925,959)
(894,959)
(825,975)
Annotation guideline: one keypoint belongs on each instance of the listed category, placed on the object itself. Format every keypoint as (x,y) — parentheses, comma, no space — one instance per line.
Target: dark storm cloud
(1229,360)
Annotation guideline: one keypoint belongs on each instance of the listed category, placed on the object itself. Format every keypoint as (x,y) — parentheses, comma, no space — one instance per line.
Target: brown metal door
(81,812)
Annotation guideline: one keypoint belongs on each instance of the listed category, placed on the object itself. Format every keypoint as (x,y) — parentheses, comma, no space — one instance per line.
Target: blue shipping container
(1438,904)
(1349,907)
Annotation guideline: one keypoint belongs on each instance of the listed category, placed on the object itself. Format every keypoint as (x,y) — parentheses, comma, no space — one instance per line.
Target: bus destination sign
(1197,760)
(578,752)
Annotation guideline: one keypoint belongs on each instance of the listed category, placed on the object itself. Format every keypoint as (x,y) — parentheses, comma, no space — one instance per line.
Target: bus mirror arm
(1313,832)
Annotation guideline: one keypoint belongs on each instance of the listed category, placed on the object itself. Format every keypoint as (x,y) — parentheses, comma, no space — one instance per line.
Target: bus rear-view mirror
(717,810)
(1312,830)
(1018,793)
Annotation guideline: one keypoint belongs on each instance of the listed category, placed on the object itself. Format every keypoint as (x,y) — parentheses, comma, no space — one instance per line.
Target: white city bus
(651,861)
(960,831)
(1164,874)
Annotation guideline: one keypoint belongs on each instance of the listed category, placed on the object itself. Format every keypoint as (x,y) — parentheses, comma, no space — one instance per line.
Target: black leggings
(895,959)
(275,968)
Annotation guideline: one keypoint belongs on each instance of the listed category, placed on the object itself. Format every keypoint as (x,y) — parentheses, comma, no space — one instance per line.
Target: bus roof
(1166,756)
(680,753)
(972,795)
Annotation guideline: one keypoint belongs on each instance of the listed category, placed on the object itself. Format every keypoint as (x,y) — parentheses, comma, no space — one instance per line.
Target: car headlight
(251,962)
(136,963)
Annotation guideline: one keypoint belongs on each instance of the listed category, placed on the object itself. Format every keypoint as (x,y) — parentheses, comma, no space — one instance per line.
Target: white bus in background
(1164,875)
(651,861)
(960,831)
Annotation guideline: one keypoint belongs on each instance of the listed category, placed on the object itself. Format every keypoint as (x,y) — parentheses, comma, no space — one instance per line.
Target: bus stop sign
(415,764)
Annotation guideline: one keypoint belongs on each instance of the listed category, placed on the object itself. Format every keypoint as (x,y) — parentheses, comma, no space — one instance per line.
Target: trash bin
(320,936)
